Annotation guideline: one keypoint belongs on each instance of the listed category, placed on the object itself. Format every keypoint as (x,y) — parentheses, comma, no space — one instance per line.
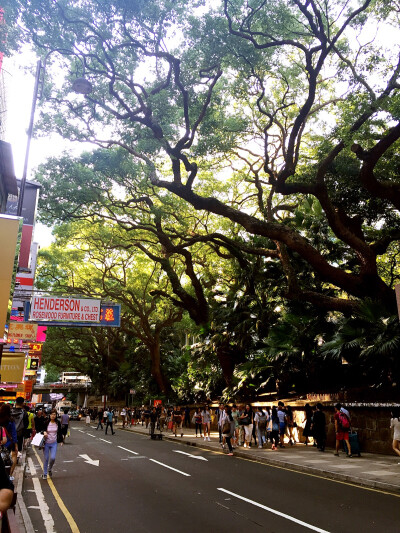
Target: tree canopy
(266,132)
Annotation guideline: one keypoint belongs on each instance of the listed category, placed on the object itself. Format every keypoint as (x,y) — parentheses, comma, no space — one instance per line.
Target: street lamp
(80,86)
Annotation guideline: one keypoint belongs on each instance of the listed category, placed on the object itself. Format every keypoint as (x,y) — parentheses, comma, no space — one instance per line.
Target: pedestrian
(8,425)
(187,417)
(146,414)
(319,427)
(109,421)
(246,420)
(261,420)
(30,428)
(21,421)
(282,423)
(40,421)
(53,436)
(206,421)
(395,424)
(197,421)
(87,419)
(290,425)
(64,424)
(220,415)
(100,416)
(177,421)
(342,428)
(274,429)
(228,428)
(124,416)
(235,416)
(308,414)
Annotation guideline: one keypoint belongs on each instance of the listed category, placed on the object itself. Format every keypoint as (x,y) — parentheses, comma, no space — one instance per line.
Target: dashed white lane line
(274,511)
(44,508)
(90,435)
(170,467)
(104,440)
(126,449)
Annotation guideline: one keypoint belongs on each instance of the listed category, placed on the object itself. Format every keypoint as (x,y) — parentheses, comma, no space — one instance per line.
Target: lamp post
(80,86)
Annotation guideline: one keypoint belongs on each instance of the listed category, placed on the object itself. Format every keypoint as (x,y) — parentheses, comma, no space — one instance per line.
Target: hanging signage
(12,367)
(110,317)
(24,331)
(60,309)
(33,363)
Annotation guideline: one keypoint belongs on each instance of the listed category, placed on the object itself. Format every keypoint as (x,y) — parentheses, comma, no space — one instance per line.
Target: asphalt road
(142,485)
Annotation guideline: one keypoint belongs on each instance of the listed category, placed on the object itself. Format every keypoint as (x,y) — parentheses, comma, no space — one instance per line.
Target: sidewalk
(370,470)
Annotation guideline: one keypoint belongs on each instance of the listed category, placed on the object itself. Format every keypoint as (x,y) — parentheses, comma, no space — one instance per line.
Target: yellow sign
(12,367)
(24,331)
(30,372)
(9,227)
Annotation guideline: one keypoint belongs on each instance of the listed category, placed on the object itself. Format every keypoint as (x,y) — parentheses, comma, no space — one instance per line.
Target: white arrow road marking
(44,508)
(94,462)
(126,449)
(191,455)
(274,511)
(108,441)
(170,467)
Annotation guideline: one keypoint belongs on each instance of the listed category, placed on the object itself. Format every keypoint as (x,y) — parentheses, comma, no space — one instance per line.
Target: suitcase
(354,444)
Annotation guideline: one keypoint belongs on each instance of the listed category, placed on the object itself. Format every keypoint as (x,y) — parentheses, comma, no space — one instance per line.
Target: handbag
(170,424)
(38,440)
(245,421)
(6,456)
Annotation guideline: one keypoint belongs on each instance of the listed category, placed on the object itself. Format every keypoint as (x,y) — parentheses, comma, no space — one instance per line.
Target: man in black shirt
(40,421)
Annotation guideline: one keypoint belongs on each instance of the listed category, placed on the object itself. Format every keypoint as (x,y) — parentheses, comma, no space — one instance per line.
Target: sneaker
(208,438)
(260,447)
(50,473)
(337,455)
(205,438)
(44,476)
(11,478)
(349,455)
(230,453)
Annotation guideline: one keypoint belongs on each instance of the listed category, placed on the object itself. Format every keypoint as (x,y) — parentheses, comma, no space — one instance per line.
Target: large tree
(281,101)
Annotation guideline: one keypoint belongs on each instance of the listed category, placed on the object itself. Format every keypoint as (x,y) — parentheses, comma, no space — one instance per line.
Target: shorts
(27,433)
(282,428)
(64,429)
(342,435)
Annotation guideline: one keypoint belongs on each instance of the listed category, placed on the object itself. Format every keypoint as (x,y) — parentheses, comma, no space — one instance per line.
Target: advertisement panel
(24,331)
(12,367)
(110,317)
(9,229)
(59,308)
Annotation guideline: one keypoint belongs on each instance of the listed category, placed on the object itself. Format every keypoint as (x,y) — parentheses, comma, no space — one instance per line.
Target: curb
(328,474)
(23,512)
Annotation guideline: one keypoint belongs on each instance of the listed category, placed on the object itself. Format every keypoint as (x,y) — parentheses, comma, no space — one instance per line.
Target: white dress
(395,423)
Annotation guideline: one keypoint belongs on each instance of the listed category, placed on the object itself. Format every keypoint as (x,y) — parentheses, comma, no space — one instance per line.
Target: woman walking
(246,420)
(228,428)
(274,433)
(395,423)
(52,437)
(206,421)
(307,423)
(197,421)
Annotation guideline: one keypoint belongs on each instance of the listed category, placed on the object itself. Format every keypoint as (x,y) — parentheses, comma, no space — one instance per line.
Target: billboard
(110,316)
(60,309)
(12,367)
(24,331)
(9,229)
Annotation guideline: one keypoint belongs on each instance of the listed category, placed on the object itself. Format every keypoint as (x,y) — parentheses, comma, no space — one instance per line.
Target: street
(131,483)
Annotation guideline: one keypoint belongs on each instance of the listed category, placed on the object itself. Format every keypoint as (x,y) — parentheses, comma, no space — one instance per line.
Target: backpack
(262,422)
(21,420)
(344,421)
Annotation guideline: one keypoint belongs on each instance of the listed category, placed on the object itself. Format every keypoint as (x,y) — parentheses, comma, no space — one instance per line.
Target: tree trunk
(156,371)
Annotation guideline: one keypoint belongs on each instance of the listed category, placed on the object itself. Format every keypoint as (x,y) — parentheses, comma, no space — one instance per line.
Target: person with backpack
(21,421)
(11,444)
(342,428)
(261,420)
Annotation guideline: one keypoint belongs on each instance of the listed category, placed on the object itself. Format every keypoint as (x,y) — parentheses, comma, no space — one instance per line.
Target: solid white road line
(274,511)
(108,441)
(191,455)
(170,467)
(126,449)
(44,508)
